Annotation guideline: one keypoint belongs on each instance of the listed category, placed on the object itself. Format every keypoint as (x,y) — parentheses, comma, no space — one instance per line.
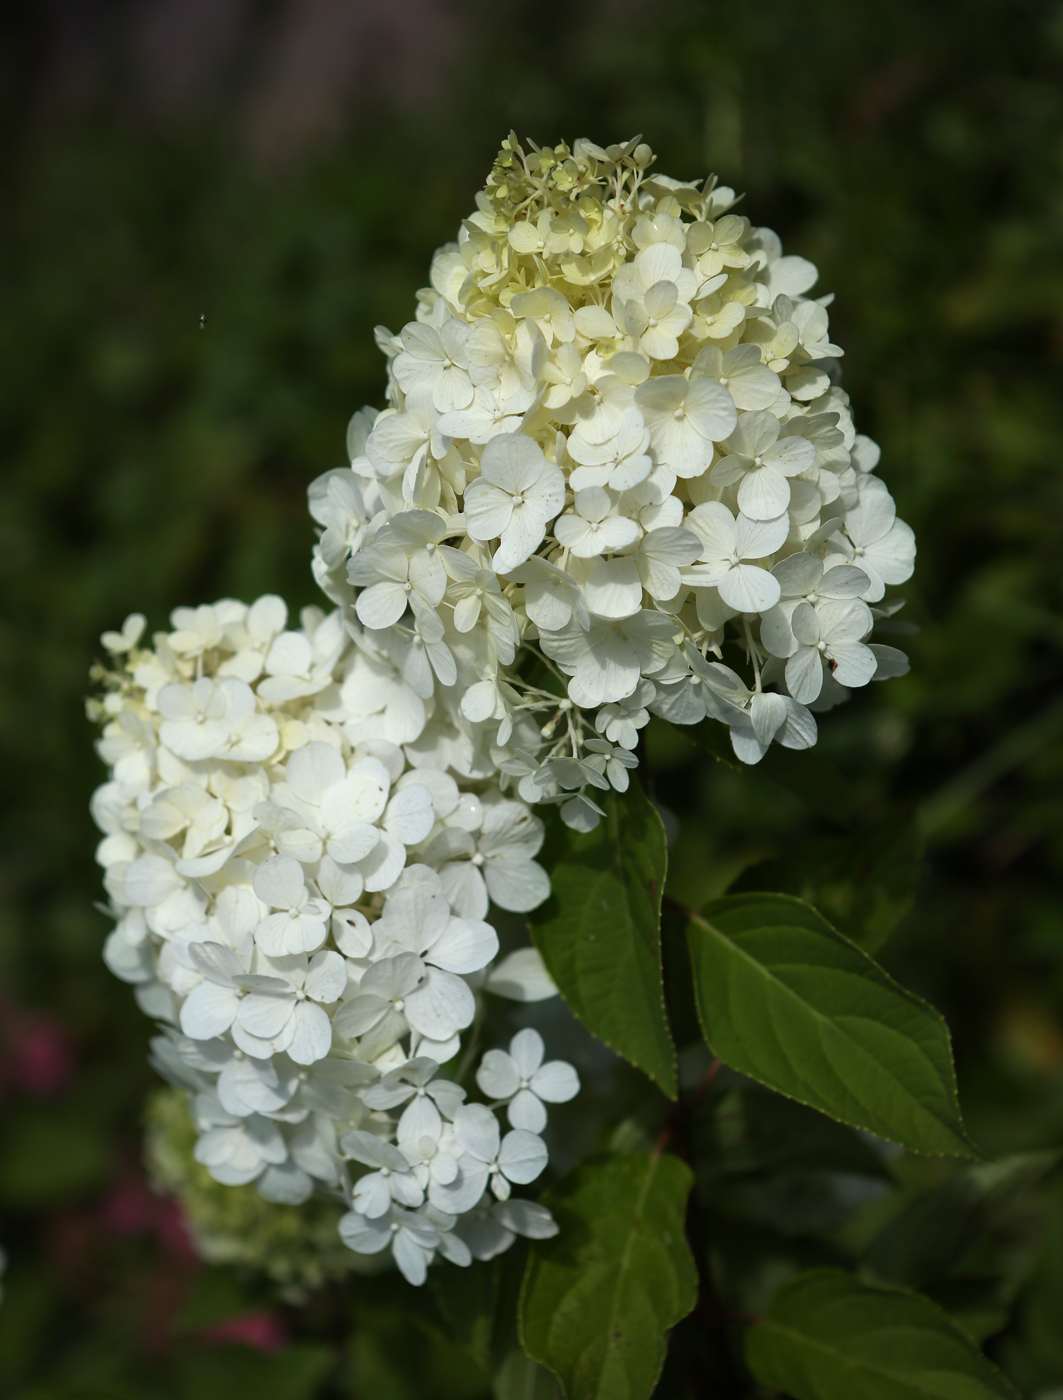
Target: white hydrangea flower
(685,418)
(831,634)
(392,1180)
(411,1237)
(513,500)
(524,1083)
(487,1160)
(265,860)
(681,437)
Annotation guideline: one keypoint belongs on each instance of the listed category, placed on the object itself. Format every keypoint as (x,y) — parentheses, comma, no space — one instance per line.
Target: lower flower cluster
(300,902)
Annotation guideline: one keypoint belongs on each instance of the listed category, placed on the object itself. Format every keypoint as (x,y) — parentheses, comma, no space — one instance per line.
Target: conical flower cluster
(617,477)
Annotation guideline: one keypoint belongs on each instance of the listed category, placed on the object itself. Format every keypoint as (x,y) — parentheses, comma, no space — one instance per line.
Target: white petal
(420,1119)
(263,1015)
(365,790)
(497,1075)
(614,588)
(406,1189)
(894,555)
(805,625)
(791,276)
(891,662)
(351,932)
(372,1196)
(843,581)
(383,865)
(763,494)
(410,1257)
(756,538)
(522,976)
(527,1112)
(465,946)
(854,664)
(767,713)
(149,880)
(381,605)
(522,1156)
(290,655)
(285,1185)
(359,1015)
(353,843)
(748,589)
(281,935)
(313,770)
(278,882)
(364,1236)
(791,455)
(527,1218)
(711,409)
(393,977)
(798,573)
(714,525)
(776,633)
(410,814)
(326,977)
(313,1034)
(556,1082)
(804,675)
(488,510)
(339,885)
(527,1050)
(464,888)
(521,537)
(441,1005)
(476,1129)
(516,884)
(464,1191)
(799,731)
(208,1011)
(216,962)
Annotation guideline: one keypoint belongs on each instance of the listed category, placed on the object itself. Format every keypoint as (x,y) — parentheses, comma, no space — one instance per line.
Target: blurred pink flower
(132,1208)
(263,1331)
(37,1059)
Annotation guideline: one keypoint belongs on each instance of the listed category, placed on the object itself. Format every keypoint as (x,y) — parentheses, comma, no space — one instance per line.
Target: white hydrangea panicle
(615,444)
(301,897)
(616,477)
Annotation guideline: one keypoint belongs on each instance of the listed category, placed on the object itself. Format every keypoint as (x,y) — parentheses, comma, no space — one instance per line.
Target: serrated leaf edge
(975,1153)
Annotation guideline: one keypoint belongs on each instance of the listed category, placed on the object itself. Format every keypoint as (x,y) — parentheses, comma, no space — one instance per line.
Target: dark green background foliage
(290,184)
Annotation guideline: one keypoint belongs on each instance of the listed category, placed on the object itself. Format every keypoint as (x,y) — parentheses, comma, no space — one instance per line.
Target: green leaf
(786,999)
(938,1228)
(828,1336)
(599,1298)
(520,1378)
(864,882)
(980,1305)
(599,932)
